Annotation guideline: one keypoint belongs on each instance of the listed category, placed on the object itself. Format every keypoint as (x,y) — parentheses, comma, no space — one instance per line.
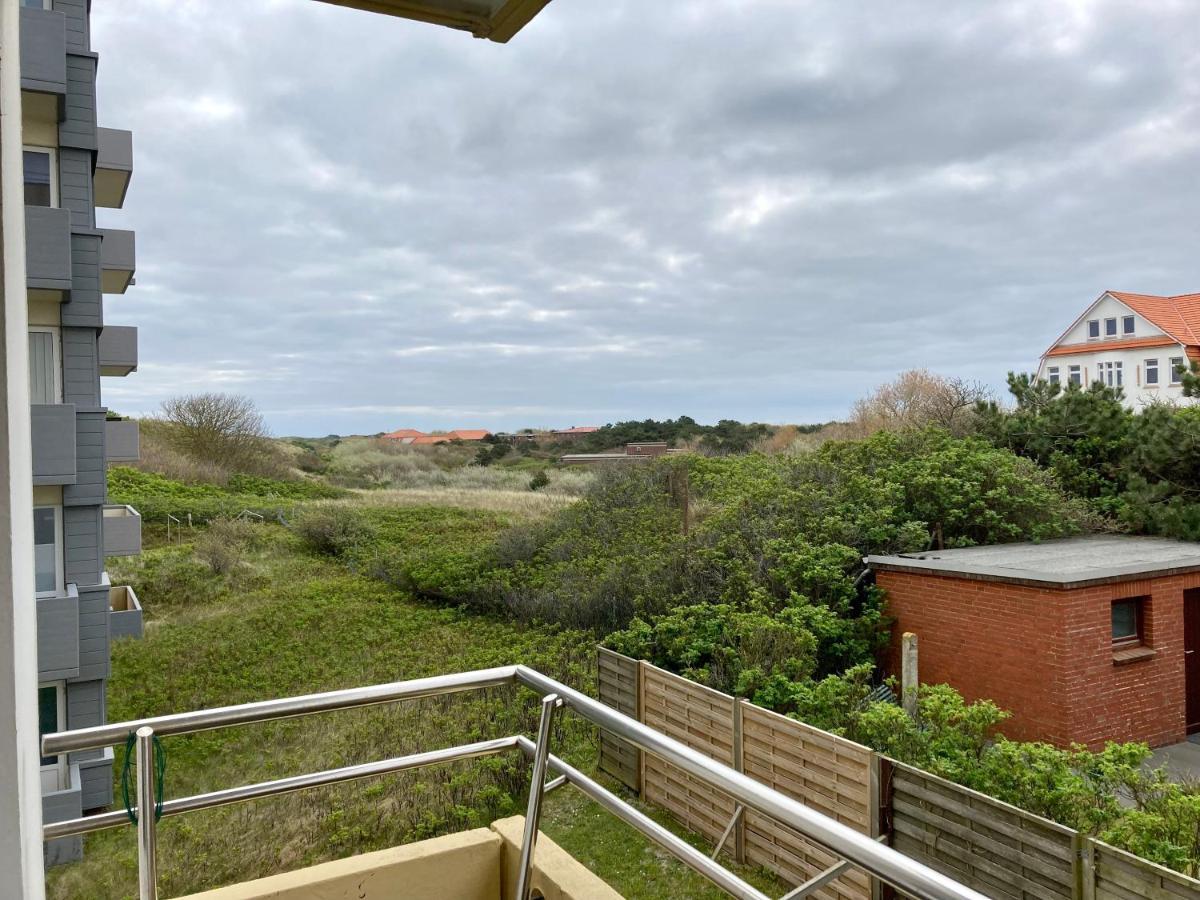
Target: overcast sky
(753,209)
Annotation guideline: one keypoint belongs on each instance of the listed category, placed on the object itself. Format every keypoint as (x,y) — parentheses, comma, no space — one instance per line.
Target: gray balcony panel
(43,51)
(116,260)
(125,613)
(85,308)
(96,779)
(122,441)
(48,248)
(122,531)
(90,487)
(78,125)
(83,556)
(53,443)
(118,350)
(58,635)
(114,166)
(58,807)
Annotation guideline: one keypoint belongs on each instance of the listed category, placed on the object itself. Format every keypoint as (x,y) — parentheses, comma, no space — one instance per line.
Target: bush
(223,430)
(539,480)
(332,529)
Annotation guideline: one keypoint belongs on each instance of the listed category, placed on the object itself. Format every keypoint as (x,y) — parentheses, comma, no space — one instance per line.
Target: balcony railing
(854,849)
(52,427)
(48,248)
(122,531)
(118,350)
(122,441)
(124,613)
(43,51)
(117,260)
(114,167)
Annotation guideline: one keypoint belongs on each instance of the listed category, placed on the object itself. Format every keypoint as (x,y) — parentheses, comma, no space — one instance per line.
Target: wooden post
(739,765)
(640,715)
(1085,861)
(909,679)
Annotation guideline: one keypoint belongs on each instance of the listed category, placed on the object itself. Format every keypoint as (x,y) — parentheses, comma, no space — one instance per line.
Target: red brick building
(1084,640)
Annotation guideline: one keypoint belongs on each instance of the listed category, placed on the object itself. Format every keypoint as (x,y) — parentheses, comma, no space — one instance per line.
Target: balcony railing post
(146,824)
(537,782)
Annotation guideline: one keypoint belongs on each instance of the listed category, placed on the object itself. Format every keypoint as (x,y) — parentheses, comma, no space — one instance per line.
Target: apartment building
(72,167)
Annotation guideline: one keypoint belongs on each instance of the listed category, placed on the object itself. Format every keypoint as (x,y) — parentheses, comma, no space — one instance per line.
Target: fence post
(1085,867)
(909,678)
(739,765)
(641,717)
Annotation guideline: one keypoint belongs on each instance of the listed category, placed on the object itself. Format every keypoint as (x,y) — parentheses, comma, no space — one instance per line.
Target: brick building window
(1127,623)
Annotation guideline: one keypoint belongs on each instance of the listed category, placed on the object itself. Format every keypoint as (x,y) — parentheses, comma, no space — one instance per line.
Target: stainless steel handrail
(891,867)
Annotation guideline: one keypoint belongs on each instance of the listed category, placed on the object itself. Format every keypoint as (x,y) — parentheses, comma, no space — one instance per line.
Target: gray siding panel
(89,487)
(78,28)
(81,373)
(58,637)
(82,537)
(85,308)
(93,636)
(75,186)
(78,125)
(85,704)
(58,807)
(53,428)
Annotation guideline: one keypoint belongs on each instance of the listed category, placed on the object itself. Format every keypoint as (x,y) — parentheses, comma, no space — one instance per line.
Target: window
(47,550)
(1052,374)
(1074,375)
(1093,329)
(36,4)
(1110,327)
(1127,622)
(41,187)
(44,381)
(1151,372)
(1110,374)
(1127,325)
(52,717)
(1177,369)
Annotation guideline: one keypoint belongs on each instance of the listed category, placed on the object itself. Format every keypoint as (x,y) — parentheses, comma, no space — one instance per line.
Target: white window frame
(1148,365)
(1114,332)
(1099,332)
(1178,367)
(1075,375)
(60,580)
(53,151)
(1131,321)
(56,772)
(56,343)
(1052,374)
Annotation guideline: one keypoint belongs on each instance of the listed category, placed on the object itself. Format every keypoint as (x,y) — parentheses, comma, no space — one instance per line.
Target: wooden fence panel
(617,686)
(702,719)
(995,848)
(1123,876)
(825,772)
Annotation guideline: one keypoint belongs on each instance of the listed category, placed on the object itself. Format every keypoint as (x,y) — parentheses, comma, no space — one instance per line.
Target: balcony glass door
(47,555)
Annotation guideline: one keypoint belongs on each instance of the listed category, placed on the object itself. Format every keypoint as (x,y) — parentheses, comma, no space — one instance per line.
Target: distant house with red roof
(420,438)
(1139,342)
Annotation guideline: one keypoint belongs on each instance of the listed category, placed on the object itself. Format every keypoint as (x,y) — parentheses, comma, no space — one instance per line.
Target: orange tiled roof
(1178,316)
(1121,344)
(470,434)
(404,433)
(432,439)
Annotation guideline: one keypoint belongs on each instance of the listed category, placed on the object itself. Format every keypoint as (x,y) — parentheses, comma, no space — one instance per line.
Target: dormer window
(1127,325)
(1093,329)
(1110,327)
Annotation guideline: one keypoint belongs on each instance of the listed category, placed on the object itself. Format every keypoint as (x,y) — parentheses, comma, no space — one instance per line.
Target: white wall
(1110,308)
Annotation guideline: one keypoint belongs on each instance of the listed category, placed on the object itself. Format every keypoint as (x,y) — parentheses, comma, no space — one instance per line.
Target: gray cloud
(712,207)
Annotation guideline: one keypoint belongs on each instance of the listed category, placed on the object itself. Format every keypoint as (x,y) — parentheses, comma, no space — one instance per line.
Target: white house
(1135,341)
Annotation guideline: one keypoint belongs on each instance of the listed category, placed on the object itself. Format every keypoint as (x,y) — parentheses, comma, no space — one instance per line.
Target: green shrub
(539,480)
(332,529)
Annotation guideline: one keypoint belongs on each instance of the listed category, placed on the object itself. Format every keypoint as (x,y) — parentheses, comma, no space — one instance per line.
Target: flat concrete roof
(1066,563)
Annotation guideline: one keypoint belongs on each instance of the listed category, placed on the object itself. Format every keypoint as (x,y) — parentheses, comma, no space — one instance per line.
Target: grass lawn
(286,622)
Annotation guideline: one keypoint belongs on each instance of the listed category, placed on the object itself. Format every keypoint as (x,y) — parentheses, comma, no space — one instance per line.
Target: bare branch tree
(224,429)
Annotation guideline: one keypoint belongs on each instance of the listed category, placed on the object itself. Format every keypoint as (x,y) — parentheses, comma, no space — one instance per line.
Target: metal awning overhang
(496,20)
